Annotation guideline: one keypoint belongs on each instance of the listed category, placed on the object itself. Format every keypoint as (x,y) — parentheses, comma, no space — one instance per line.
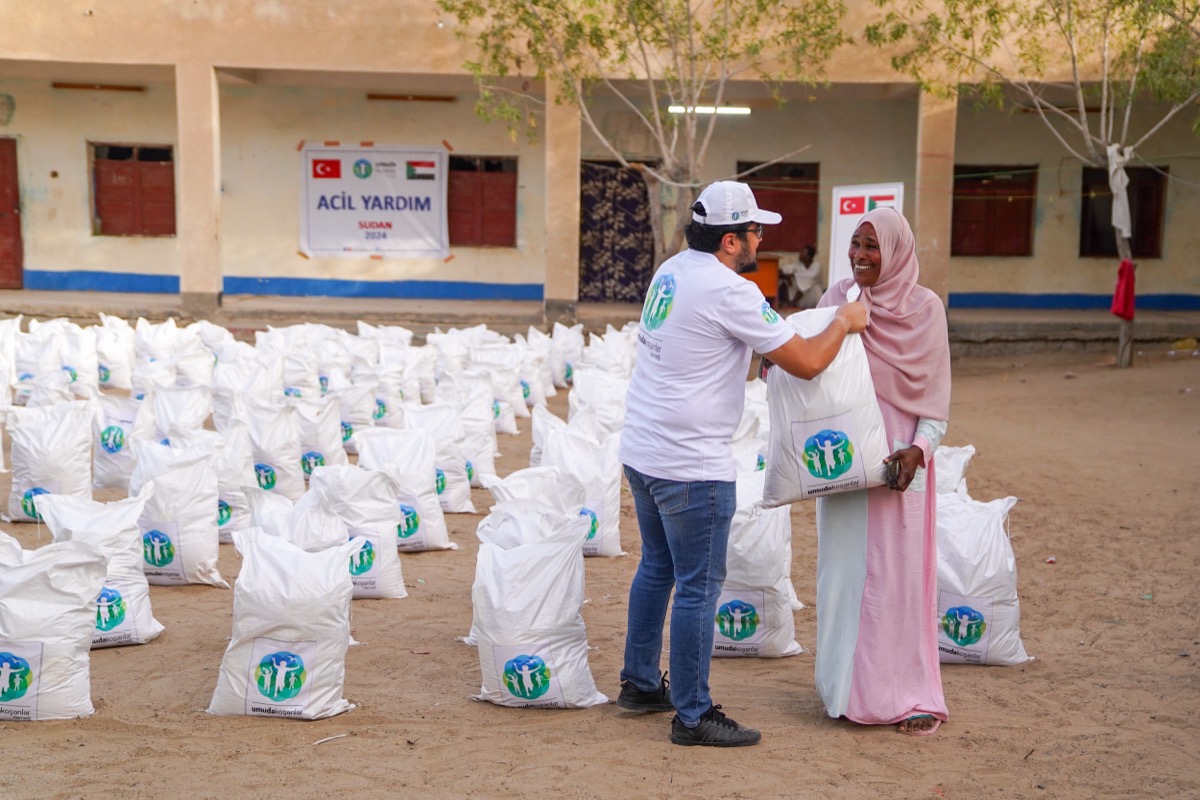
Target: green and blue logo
(324,380)
(769,314)
(347,432)
(595,526)
(72,372)
(470,471)
(828,454)
(110,609)
(27,504)
(362,168)
(380,409)
(311,460)
(737,620)
(659,300)
(363,559)
(280,676)
(439,480)
(224,513)
(410,524)
(525,389)
(157,548)
(760,463)
(265,474)
(527,677)
(291,391)
(569,373)
(16,676)
(105,375)
(112,439)
(963,625)
(495,409)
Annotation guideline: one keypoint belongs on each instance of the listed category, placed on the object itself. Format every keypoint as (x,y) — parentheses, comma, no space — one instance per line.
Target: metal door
(11,270)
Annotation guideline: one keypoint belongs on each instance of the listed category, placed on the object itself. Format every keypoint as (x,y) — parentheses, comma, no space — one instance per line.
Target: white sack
(47,616)
(275,437)
(291,628)
(310,523)
(319,425)
(754,611)
(527,597)
(952,463)
(123,614)
(114,352)
(597,465)
(51,453)
(407,457)
(827,434)
(979,615)
(365,500)
(179,524)
(119,421)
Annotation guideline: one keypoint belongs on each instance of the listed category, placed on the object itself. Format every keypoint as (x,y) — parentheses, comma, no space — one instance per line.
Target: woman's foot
(919,725)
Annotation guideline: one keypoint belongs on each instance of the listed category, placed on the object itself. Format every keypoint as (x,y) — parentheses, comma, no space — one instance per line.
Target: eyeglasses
(757,230)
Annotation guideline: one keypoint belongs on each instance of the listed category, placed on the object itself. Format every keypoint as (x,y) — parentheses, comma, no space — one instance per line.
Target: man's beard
(745,266)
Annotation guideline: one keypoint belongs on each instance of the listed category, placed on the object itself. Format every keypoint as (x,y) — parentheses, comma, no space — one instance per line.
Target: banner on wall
(849,205)
(387,201)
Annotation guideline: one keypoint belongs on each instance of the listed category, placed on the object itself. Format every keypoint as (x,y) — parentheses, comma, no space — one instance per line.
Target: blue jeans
(685,531)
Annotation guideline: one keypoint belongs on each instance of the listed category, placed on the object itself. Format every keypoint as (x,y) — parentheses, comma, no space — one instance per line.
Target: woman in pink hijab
(877,653)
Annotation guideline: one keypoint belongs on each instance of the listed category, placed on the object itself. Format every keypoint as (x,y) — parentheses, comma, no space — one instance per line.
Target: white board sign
(849,205)
(387,201)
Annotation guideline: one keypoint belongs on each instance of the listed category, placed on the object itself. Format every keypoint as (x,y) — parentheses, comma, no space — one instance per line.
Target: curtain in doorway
(616,244)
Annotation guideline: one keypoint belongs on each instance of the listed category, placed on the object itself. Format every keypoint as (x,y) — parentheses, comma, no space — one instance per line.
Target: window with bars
(993,210)
(133,190)
(481,201)
(1147,199)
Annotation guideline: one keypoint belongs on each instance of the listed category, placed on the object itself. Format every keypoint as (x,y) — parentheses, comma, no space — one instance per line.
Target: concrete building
(167,147)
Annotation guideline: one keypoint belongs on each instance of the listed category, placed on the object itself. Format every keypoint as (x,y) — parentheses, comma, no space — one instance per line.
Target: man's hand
(855,316)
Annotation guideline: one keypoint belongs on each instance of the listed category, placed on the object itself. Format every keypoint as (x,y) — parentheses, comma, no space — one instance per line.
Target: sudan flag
(420,170)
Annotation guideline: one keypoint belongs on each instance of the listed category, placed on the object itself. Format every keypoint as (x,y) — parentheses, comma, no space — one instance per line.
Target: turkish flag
(327,168)
(853,205)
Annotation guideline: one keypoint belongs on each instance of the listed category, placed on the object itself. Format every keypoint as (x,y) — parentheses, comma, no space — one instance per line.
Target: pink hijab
(907,343)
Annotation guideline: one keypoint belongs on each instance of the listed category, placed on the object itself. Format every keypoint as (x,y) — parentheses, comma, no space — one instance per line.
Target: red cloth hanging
(1123,297)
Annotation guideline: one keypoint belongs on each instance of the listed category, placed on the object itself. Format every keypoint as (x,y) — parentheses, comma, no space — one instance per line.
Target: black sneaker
(715,730)
(634,699)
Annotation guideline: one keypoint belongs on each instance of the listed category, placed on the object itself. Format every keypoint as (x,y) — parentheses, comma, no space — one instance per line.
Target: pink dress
(876,654)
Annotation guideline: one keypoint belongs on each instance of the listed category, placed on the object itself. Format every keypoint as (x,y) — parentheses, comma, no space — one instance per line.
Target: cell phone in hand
(892,475)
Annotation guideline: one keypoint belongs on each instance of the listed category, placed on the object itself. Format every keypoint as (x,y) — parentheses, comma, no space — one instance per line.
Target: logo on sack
(527,677)
(470,471)
(224,513)
(105,375)
(595,526)
(110,609)
(525,389)
(311,460)
(411,522)
(347,431)
(71,371)
(265,474)
(440,481)
(495,409)
(380,410)
(569,373)
(769,314)
(280,676)
(828,454)
(324,381)
(659,301)
(16,677)
(963,625)
(737,620)
(760,463)
(362,560)
(112,439)
(157,548)
(27,504)
(291,391)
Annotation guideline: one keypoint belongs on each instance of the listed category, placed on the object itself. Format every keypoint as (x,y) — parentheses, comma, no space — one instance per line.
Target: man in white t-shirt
(700,324)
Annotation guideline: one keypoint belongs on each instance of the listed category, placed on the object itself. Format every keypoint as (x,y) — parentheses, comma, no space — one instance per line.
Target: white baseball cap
(730,203)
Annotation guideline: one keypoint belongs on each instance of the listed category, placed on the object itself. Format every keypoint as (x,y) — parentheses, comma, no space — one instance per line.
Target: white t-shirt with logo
(700,324)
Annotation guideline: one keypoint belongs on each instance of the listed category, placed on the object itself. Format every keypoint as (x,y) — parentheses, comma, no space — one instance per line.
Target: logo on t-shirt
(769,314)
(659,301)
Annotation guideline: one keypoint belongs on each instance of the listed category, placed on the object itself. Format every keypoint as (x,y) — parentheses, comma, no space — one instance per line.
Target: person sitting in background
(800,281)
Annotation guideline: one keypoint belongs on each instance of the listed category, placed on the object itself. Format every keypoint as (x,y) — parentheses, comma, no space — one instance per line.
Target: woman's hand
(910,458)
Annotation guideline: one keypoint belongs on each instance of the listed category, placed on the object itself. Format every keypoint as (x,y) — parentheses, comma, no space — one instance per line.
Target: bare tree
(1081,65)
(647,56)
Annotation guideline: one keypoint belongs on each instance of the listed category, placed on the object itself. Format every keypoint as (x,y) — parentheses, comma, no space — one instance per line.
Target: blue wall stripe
(84,281)
(416,290)
(1145,302)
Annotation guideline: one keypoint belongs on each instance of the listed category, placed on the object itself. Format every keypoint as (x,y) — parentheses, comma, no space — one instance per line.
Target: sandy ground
(1105,464)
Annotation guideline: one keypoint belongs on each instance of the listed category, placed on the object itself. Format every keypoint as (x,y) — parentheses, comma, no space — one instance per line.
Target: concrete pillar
(937,120)
(198,210)
(562,148)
